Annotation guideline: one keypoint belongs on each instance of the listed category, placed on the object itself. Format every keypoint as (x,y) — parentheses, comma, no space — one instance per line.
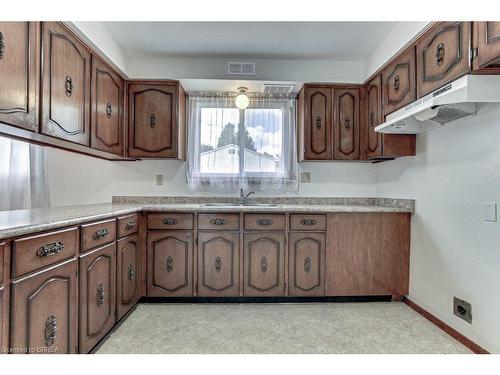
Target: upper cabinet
(156,120)
(19,73)
(443,55)
(346,124)
(487,45)
(398,82)
(107,109)
(66,85)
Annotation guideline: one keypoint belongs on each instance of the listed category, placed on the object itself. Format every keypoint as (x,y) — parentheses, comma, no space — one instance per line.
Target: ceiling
(288,40)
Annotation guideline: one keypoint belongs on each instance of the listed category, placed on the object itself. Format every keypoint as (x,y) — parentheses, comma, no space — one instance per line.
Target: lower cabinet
(306,264)
(127,280)
(44,306)
(264,264)
(97,295)
(218,263)
(170,263)
(2,343)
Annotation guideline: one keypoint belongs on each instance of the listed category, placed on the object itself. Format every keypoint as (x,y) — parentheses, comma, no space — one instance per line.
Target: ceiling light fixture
(242,100)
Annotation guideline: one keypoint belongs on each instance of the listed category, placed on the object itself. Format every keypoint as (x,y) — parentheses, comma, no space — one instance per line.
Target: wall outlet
(305,177)
(462,309)
(159,179)
(490,212)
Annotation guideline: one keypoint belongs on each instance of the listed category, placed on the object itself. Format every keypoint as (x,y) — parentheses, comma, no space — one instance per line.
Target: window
(231,148)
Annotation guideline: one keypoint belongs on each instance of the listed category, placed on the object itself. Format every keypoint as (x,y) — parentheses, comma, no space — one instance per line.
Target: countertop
(21,222)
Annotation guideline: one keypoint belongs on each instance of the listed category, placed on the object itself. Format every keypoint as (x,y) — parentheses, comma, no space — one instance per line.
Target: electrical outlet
(159,179)
(490,212)
(305,177)
(462,309)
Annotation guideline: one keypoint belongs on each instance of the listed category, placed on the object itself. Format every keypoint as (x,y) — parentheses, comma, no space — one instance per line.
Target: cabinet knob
(396,83)
(100,295)
(50,330)
(218,264)
(347,124)
(218,221)
(68,85)
(307,264)
(308,222)
(372,118)
(50,249)
(101,233)
(109,110)
(440,54)
(170,221)
(152,120)
(263,264)
(130,272)
(130,225)
(2,45)
(264,222)
(318,122)
(170,264)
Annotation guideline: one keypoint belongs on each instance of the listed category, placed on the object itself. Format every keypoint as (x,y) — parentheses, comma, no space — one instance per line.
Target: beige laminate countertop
(21,222)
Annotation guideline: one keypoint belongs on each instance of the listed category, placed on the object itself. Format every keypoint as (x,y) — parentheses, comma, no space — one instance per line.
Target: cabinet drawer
(219,221)
(264,222)
(307,222)
(34,252)
(127,225)
(97,234)
(170,221)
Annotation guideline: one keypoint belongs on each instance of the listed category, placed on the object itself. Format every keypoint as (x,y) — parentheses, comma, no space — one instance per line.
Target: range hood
(452,102)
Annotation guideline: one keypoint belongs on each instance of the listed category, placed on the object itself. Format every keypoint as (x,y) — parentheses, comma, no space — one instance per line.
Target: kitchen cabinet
(156,120)
(66,85)
(170,263)
(3,344)
(98,234)
(127,225)
(45,306)
(399,82)
(20,73)
(218,263)
(2,257)
(264,264)
(443,55)
(306,264)
(128,275)
(107,109)
(346,124)
(486,45)
(97,295)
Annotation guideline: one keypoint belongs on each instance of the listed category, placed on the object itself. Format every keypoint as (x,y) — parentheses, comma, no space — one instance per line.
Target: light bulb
(242,100)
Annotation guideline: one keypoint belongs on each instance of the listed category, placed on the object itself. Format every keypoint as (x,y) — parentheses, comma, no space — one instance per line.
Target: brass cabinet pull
(440,54)
(130,272)
(218,221)
(170,221)
(130,225)
(109,110)
(307,264)
(263,264)
(308,222)
(264,222)
(50,330)
(101,233)
(218,264)
(68,85)
(396,83)
(318,122)
(2,45)
(372,118)
(347,123)
(50,249)
(152,120)
(170,264)
(100,295)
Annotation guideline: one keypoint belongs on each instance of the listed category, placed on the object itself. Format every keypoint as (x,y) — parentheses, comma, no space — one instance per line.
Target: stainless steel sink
(240,205)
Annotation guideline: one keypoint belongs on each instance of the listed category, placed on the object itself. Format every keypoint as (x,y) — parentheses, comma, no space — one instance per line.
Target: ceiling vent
(241,68)
(277,89)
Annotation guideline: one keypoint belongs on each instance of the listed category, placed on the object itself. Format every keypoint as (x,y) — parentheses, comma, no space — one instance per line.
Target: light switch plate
(305,177)
(159,179)
(490,212)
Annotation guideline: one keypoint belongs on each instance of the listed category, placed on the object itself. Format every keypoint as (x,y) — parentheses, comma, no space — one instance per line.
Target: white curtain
(23,176)
(253,149)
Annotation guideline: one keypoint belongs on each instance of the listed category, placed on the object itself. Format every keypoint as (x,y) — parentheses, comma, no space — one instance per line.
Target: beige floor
(383,327)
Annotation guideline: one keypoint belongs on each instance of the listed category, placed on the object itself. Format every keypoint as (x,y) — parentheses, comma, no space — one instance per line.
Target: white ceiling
(289,40)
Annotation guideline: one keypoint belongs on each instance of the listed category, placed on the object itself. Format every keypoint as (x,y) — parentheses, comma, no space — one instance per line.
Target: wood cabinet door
(2,343)
(306,264)
(128,276)
(218,263)
(398,82)
(264,264)
(66,85)
(443,55)
(107,109)
(153,121)
(487,42)
(170,264)
(346,124)
(19,73)
(318,124)
(97,295)
(373,117)
(45,306)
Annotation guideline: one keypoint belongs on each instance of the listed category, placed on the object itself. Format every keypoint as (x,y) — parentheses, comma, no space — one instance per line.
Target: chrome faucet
(244,197)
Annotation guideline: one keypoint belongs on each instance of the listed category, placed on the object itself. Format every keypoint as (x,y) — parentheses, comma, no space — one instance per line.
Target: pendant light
(242,100)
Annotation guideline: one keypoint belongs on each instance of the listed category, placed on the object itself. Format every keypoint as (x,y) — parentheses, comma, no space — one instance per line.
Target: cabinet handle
(109,110)
(263,264)
(152,120)
(101,233)
(440,54)
(372,118)
(170,221)
(218,221)
(218,264)
(2,45)
(170,264)
(130,272)
(396,83)
(307,264)
(50,249)
(50,330)
(130,225)
(100,295)
(318,122)
(347,123)
(68,85)
(264,222)
(308,222)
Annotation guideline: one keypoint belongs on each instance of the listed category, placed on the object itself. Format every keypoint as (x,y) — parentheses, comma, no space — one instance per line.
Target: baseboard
(263,299)
(446,328)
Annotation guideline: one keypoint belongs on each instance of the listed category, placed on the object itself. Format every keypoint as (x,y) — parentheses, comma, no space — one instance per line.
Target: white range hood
(454,101)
